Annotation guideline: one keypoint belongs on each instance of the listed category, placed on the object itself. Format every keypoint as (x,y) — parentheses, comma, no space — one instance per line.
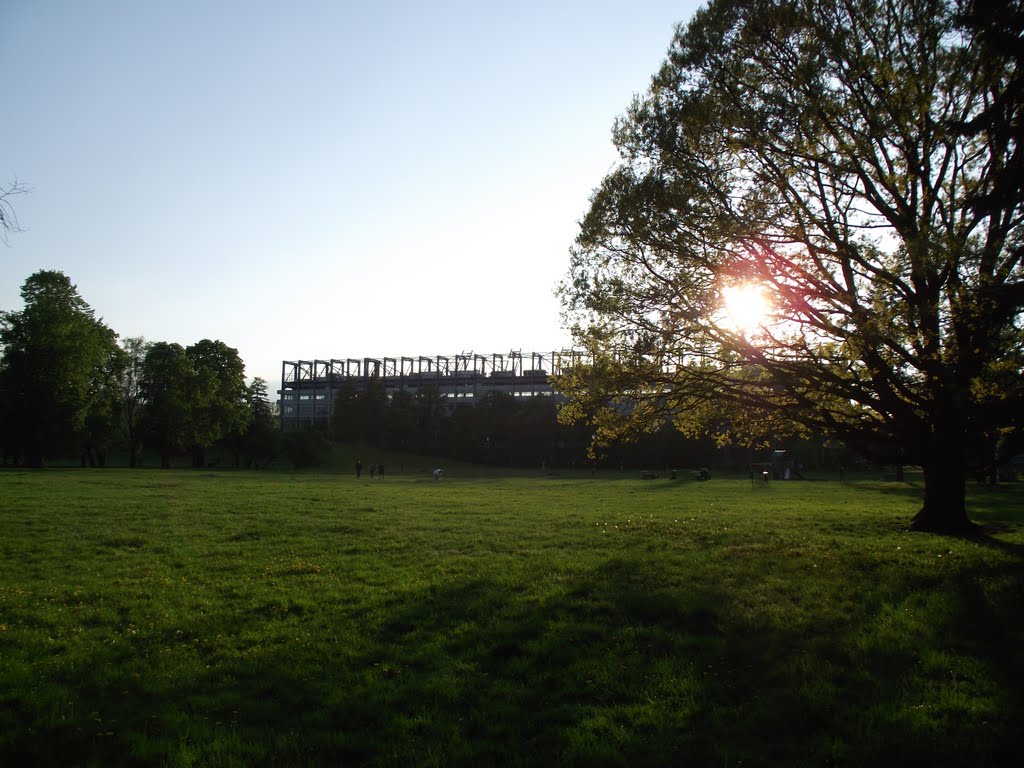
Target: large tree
(55,370)
(168,387)
(221,405)
(194,396)
(857,164)
(258,440)
(128,381)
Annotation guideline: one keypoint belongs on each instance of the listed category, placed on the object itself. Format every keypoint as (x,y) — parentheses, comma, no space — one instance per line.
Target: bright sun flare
(746,306)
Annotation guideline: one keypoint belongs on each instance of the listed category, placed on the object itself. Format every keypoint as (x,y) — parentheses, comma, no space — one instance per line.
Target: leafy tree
(499,433)
(260,409)
(538,433)
(305,448)
(464,432)
(129,377)
(101,428)
(57,357)
(168,387)
(400,427)
(430,409)
(221,402)
(373,408)
(858,163)
(347,416)
(258,441)
(361,414)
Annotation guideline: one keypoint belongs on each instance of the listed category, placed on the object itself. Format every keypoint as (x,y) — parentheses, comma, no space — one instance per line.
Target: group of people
(376,470)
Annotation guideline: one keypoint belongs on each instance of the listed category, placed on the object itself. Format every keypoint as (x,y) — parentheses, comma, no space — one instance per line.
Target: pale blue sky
(316,179)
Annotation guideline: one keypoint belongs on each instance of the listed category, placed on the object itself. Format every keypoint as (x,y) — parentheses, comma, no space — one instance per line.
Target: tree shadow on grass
(621,664)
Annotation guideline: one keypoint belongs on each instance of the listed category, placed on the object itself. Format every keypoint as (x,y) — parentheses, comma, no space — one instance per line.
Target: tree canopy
(168,387)
(130,403)
(193,397)
(220,398)
(55,373)
(857,165)
(67,387)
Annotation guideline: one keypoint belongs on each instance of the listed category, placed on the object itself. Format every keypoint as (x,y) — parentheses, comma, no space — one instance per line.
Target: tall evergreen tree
(258,440)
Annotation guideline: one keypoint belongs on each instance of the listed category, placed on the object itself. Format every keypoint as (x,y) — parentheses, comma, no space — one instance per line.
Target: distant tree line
(498,430)
(69,387)
(502,430)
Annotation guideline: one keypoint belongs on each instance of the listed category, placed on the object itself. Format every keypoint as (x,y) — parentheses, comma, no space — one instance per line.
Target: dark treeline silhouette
(68,387)
(499,430)
(502,430)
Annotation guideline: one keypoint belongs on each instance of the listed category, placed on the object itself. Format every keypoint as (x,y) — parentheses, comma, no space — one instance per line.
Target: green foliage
(56,374)
(260,441)
(194,397)
(169,389)
(405,421)
(853,161)
(305,448)
(129,401)
(225,618)
(67,388)
(346,422)
(221,400)
(400,428)
(499,429)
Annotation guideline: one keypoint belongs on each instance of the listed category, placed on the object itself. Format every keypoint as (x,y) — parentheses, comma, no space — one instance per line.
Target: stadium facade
(309,387)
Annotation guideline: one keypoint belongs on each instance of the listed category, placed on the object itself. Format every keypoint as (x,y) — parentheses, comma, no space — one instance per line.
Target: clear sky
(316,179)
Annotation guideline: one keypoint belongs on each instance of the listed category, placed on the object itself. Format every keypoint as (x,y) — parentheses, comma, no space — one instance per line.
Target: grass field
(224,618)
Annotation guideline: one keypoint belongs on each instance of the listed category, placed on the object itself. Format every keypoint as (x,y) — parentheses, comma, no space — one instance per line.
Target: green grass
(220,619)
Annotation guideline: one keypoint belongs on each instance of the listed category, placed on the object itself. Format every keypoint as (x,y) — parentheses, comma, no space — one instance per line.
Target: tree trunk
(945,508)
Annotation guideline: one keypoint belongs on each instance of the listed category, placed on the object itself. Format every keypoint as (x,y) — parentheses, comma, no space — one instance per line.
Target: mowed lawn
(228,618)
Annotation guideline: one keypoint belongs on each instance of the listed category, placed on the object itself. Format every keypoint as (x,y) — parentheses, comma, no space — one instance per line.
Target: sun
(746,306)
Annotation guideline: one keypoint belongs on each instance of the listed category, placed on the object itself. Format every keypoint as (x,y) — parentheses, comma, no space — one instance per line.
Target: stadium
(309,387)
